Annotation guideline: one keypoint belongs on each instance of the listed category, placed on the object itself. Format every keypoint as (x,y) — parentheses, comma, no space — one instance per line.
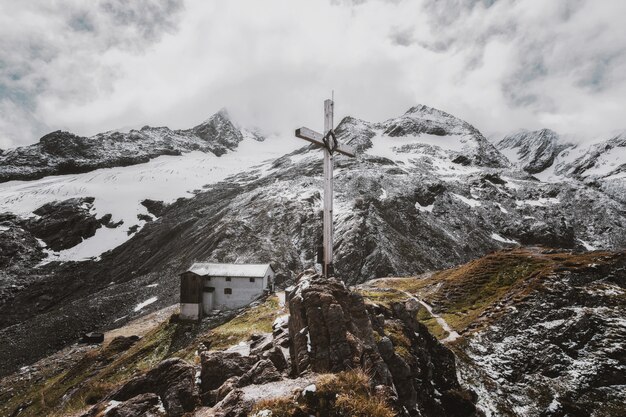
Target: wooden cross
(329,143)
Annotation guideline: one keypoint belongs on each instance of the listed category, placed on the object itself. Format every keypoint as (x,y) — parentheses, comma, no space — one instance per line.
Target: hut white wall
(243,291)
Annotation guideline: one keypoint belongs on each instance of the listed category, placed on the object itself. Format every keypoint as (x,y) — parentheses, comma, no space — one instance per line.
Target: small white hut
(211,286)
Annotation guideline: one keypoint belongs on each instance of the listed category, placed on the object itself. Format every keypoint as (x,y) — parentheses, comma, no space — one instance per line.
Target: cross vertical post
(330,145)
(327,267)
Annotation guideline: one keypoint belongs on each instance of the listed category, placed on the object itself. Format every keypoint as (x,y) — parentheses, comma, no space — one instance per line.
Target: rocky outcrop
(64,224)
(173,380)
(333,330)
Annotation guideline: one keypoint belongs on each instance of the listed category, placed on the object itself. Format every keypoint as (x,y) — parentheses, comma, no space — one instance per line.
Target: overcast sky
(92,66)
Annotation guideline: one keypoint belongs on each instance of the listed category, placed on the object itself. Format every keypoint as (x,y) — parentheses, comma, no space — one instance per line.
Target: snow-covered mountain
(532,151)
(61,152)
(426,191)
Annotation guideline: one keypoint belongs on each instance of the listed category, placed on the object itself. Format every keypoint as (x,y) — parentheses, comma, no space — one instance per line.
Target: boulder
(218,366)
(173,380)
(262,372)
(233,405)
(277,357)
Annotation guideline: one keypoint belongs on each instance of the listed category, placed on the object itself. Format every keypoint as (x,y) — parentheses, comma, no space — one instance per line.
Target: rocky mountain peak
(532,151)
(220,129)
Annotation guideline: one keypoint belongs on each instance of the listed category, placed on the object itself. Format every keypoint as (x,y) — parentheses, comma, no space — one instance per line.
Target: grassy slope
(99,371)
(463,294)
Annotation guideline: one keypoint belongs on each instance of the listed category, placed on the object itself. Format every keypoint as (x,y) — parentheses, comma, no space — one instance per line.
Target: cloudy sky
(92,66)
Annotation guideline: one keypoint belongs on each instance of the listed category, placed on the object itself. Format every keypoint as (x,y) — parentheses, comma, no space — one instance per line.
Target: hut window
(251,279)
(228,290)
(227,278)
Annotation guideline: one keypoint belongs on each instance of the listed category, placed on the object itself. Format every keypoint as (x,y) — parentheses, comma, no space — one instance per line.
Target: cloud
(501,65)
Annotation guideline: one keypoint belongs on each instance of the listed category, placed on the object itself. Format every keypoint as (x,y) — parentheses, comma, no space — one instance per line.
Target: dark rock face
(330,330)
(64,224)
(154,207)
(333,330)
(173,380)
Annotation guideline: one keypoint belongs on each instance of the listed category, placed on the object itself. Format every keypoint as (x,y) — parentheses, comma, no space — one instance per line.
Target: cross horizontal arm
(318,139)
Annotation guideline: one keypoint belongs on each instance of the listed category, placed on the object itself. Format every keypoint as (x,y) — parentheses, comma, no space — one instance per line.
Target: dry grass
(384,297)
(355,382)
(353,393)
(280,407)
(370,406)
(344,394)
(258,319)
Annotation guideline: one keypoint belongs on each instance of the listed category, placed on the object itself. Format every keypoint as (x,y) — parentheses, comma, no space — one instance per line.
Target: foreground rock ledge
(332,329)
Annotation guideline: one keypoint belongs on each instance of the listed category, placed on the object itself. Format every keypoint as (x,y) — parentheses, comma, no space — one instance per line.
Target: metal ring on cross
(330,141)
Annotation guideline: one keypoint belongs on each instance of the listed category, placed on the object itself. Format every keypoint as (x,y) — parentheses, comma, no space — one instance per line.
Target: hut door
(207,301)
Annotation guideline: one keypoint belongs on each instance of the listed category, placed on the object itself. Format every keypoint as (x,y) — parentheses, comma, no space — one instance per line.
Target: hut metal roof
(229,270)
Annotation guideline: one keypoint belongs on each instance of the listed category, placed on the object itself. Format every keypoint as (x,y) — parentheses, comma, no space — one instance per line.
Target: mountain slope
(542,331)
(436,197)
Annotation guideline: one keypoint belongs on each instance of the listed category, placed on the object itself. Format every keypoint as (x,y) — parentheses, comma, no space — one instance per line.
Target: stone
(277,357)
(262,372)
(173,380)
(143,405)
(218,366)
(233,405)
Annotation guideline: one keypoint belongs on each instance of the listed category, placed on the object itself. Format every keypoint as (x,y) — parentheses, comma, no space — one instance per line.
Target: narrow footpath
(452,334)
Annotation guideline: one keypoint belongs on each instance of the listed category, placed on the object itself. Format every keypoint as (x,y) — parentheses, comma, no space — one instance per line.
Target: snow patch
(586,245)
(469,201)
(541,202)
(502,209)
(425,209)
(499,238)
(149,301)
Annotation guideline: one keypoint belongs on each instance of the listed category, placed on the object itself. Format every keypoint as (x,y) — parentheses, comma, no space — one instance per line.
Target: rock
(229,385)
(219,366)
(156,208)
(233,405)
(92,338)
(261,344)
(277,357)
(142,405)
(330,329)
(173,380)
(64,224)
(262,372)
